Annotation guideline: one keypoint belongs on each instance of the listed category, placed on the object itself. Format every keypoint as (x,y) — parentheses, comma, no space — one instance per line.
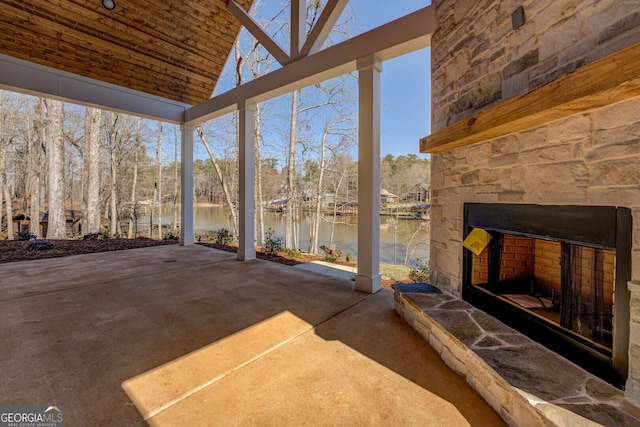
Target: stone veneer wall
(592,158)
(479,60)
(586,159)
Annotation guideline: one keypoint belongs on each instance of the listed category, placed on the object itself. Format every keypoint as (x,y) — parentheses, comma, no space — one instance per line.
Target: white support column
(246,170)
(368,278)
(186,182)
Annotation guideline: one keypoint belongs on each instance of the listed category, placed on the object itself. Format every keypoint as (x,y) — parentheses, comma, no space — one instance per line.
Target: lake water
(209,219)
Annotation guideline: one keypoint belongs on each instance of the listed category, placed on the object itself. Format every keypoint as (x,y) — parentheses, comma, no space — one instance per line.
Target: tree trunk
(316,231)
(92,156)
(31,172)
(289,212)
(85,173)
(176,181)
(260,198)
(37,197)
(133,217)
(225,190)
(113,203)
(7,196)
(157,190)
(56,228)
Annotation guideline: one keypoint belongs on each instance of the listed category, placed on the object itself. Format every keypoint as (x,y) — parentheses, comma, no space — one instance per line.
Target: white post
(246,170)
(368,278)
(186,182)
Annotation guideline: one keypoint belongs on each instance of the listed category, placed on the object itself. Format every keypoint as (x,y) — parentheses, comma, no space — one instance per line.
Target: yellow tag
(477,240)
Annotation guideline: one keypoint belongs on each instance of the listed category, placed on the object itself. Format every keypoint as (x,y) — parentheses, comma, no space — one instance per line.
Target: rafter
(399,37)
(258,32)
(298,26)
(323,27)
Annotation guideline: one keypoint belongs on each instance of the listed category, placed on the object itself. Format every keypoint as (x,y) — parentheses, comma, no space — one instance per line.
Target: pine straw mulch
(14,250)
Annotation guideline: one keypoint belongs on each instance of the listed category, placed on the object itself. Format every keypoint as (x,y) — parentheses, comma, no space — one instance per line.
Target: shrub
(222,237)
(92,236)
(24,235)
(421,272)
(330,258)
(171,235)
(347,257)
(293,253)
(272,243)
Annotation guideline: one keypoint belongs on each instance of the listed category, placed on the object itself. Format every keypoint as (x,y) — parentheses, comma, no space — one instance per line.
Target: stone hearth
(526,383)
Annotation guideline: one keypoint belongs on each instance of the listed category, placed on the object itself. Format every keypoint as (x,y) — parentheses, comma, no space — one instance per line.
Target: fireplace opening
(557,274)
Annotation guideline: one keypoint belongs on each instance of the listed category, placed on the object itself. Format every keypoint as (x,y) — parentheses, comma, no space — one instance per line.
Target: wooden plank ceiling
(175,49)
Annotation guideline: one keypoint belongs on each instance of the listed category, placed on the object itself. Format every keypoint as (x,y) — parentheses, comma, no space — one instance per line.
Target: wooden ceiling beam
(258,32)
(399,37)
(322,28)
(611,79)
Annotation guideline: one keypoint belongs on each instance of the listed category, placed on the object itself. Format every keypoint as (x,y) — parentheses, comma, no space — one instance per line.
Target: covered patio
(167,68)
(176,335)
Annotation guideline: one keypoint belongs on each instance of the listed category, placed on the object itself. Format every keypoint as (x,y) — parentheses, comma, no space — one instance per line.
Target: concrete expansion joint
(183,396)
(224,374)
(345,309)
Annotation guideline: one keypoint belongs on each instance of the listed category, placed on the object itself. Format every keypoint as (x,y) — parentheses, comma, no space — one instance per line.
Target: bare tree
(227,194)
(35,138)
(92,162)
(114,154)
(157,188)
(291,167)
(133,202)
(176,181)
(56,226)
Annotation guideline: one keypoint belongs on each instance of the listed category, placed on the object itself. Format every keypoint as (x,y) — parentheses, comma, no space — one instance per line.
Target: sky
(405,81)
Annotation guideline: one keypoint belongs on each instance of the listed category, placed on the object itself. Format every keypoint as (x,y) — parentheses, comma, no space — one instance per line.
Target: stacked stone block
(478,59)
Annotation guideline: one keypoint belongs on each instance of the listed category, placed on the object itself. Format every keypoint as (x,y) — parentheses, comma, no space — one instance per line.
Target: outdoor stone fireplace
(574,154)
(590,160)
(556,273)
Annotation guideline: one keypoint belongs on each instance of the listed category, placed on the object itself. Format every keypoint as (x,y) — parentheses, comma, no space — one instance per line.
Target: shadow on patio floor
(273,345)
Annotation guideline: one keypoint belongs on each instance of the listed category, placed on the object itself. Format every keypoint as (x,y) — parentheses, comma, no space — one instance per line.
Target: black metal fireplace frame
(604,227)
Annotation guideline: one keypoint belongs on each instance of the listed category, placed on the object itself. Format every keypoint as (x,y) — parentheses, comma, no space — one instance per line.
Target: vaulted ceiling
(175,49)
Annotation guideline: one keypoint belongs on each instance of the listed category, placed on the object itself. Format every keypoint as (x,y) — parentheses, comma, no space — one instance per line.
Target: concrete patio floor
(183,336)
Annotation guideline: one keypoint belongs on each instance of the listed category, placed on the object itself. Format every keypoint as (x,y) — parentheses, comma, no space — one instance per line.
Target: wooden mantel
(608,80)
